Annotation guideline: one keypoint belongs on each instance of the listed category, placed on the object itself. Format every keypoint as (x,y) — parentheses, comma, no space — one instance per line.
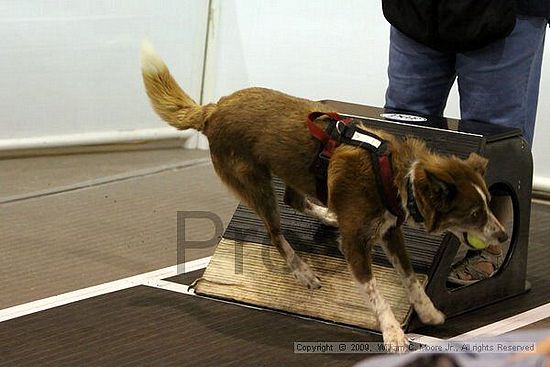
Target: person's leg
(532,97)
(419,77)
(500,84)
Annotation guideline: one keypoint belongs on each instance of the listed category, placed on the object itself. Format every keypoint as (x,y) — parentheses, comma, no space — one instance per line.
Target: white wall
(325,49)
(72,66)
(316,49)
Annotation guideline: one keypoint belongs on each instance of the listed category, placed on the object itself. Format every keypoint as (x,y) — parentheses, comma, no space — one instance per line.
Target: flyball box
(246,268)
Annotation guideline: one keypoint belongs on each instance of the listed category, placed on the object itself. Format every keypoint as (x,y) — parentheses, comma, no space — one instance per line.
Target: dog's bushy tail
(171,103)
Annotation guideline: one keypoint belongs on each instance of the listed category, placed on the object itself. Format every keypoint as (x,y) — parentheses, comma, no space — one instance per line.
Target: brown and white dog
(256,133)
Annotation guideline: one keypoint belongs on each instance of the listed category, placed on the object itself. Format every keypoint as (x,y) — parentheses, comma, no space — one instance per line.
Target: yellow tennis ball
(476,242)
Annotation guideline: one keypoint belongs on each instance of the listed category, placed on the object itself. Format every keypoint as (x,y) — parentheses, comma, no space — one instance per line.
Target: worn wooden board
(256,274)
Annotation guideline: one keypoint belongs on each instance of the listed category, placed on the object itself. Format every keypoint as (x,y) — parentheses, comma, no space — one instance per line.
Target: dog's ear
(478,163)
(435,190)
(441,191)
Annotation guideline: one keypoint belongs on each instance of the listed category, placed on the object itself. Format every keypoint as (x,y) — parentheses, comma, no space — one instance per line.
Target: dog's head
(453,196)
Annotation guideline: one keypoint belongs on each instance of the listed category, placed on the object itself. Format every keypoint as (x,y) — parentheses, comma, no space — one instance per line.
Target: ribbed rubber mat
(307,234)
(255,274)
(145,326)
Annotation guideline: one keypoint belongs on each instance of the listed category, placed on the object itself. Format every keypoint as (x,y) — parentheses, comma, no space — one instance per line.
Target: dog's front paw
(430,315)
(395,340)
(307,277)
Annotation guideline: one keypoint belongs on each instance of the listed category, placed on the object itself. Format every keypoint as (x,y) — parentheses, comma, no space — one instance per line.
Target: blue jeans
(498,83)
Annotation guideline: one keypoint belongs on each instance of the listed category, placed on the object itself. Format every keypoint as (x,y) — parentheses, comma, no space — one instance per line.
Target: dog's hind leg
(301,203)
(252,183)
(394,247)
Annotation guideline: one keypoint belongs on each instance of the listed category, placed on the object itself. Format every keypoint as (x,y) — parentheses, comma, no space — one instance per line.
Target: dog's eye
(476,214)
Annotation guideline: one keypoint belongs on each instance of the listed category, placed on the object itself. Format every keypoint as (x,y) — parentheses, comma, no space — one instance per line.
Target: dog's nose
(502,237)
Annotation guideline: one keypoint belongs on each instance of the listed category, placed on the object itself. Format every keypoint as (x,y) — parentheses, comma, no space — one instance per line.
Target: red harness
(342,131)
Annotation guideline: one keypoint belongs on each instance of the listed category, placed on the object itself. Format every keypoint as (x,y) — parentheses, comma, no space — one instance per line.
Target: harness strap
(319,166)
(317,132)
(412,205)
(391,195)
(328,143)
(339,131)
